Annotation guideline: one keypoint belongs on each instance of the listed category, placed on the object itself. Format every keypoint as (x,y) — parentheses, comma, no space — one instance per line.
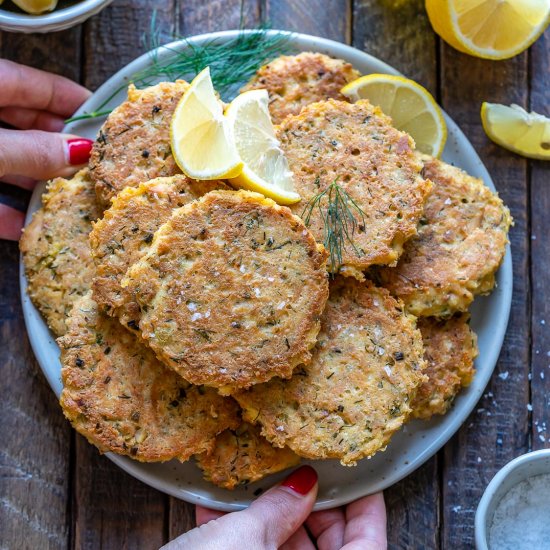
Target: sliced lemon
(200,135)
(515,129)
(411,107)
(265,167)
(492,29)
(36,7)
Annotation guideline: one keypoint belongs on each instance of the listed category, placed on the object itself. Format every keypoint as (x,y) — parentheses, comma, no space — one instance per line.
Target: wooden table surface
(56,491)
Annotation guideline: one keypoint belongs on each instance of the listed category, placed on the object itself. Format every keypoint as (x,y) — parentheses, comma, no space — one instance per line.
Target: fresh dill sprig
(339,214)
(232,63)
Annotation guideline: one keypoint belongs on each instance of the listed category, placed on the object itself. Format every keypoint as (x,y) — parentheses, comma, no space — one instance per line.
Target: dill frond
(232,63)
(339,214)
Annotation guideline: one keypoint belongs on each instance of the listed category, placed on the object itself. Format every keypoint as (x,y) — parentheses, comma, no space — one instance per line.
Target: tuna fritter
(122,399)
(356,392)
(460,245)
(231,290)
(356,146)
(126,231)
(450,349)
(243,456)
(55,248)
(133,145)
(294,81)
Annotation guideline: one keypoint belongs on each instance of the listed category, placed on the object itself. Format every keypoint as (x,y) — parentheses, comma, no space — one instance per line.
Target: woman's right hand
(35,103)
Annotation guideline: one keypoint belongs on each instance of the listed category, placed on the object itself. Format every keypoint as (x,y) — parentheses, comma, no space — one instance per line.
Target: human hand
(282,518)
(36,103)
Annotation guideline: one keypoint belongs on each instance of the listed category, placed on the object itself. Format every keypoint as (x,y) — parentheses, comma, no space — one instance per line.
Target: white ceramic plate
(408,449)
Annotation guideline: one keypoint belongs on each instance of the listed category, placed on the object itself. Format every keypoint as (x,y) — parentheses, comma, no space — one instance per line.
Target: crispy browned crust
(356,145)
(133,145)
(55,248)
(122,399)
(356,392)
(243,456)
(231,291)
(460,245)
(126,231)
(450,350)
(294,81)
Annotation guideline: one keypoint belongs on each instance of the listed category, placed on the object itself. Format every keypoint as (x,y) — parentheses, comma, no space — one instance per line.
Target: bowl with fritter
(348,335)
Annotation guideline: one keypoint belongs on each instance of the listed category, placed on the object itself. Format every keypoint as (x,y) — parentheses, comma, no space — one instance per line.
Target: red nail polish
(301,480)
(78,150)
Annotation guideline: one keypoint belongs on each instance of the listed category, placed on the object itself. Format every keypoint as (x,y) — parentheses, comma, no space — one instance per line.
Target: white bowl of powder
(514,511)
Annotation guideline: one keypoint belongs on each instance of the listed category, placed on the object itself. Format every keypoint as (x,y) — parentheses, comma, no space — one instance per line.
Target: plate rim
(482,378)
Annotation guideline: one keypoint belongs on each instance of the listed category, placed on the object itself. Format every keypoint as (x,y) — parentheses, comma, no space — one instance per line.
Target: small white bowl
(519,469)
(59,19)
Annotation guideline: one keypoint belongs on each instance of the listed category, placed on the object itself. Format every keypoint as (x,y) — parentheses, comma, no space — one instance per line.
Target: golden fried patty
(231,290)
(294,81)
(122,399)
(356,392)
(55,248)
(243,456)
(450,349)
(460,244)
(126,231)
(356,146)
(133,145)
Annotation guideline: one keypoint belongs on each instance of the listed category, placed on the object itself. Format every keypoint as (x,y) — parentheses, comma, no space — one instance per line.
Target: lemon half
(265,168)
(515,129)
(492,29)
(411,107)
(200,136)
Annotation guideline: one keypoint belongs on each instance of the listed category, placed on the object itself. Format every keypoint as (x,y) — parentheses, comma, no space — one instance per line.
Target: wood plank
(540,260)
(400,34)
(326,18)
(181,518)
(498,430)
(120,33)
(197,16)
(58,52)
(413,510)
(111,509)
(35,453)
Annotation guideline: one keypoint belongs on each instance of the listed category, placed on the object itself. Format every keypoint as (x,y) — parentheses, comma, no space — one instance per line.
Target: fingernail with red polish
(301,480)
(78,150)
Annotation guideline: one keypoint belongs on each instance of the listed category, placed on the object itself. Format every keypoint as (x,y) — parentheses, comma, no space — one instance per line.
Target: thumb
(41,155)
(278,514)
(266,524)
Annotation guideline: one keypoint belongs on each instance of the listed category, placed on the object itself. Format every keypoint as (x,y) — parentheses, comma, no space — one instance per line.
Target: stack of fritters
(199,320)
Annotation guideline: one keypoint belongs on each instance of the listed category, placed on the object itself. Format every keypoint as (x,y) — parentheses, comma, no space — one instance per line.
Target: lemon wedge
(265,168)
(515,129)
(200,136)
(492,29)
(36,7)
(411,107)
